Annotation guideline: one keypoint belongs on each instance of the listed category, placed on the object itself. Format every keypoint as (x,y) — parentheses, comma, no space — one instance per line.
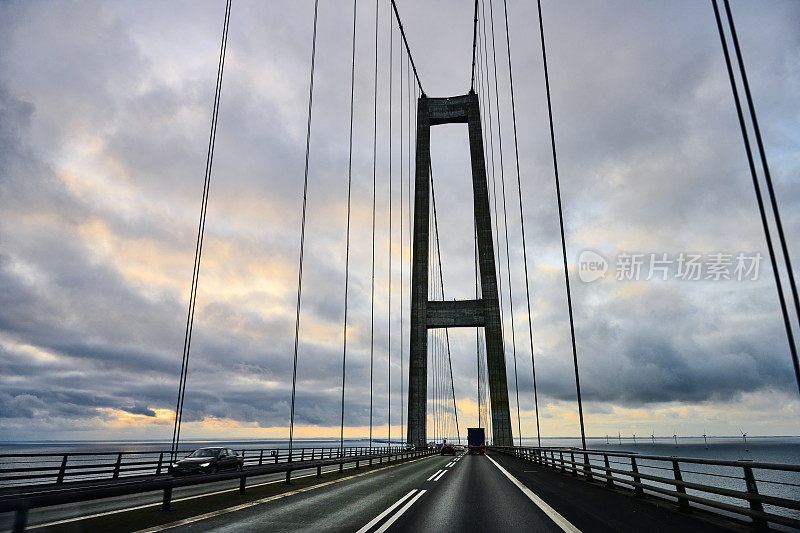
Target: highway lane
(47,515)
(467,493)
(343,506)
(473,495)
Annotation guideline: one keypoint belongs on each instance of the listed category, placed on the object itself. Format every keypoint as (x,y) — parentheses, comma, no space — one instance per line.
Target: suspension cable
(389,332)
(441,283)
(187,339)
(474,45)
(505,213)
(408,49)
(303,229)
(347,245)
(374,187)
(522,224)
(767,178)
(561,224)
(402,262)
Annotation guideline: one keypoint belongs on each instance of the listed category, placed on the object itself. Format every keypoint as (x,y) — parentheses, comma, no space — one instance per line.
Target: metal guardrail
(18,469)
(21,499)
(736,494)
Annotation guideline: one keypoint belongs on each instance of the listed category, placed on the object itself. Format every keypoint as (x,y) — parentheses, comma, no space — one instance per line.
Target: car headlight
(204,465)
(175,465)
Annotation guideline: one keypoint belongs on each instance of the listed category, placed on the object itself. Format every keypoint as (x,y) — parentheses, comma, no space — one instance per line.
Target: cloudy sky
(104,115)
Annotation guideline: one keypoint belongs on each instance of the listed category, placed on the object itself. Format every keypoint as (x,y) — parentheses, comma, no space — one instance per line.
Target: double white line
(437,475)
(413,495)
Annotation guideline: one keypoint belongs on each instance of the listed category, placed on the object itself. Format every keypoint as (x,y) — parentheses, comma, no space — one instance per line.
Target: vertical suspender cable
(303,229)
(347,245)
(522,223)
(561,224)
(187,339)
(505,218)
(767,178)
(374,183)
(389,335)
(441,284)
(402,262)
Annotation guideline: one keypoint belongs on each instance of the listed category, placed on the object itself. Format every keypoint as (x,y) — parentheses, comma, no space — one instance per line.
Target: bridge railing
(47,468)
(747,491)
(22,498)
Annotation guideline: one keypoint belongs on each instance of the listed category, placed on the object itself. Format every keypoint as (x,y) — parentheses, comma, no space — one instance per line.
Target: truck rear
(476,440)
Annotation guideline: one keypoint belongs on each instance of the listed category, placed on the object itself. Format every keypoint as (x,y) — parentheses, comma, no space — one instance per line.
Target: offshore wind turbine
(619,436)
(675,436)
(744,438)
(653,437)
(634,439)
(705,440)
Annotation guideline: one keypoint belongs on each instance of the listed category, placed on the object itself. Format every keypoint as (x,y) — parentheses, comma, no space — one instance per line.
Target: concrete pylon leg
(426,314)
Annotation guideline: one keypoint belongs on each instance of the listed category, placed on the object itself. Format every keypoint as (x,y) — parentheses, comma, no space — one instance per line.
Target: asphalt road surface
(443,494)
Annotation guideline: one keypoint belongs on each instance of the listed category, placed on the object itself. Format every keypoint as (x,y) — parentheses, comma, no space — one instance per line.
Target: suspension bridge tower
(428,314)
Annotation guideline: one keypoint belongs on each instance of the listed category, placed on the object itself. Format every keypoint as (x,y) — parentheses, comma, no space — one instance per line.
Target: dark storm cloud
(104,116)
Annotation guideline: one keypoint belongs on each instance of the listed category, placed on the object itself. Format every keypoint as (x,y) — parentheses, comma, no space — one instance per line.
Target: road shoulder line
(554,515)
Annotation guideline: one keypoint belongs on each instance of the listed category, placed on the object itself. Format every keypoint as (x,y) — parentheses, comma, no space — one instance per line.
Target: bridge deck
(470,493)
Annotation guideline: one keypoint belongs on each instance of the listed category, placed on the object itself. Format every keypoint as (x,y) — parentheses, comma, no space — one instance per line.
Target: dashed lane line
(399,513)
(388,510)
(434,475)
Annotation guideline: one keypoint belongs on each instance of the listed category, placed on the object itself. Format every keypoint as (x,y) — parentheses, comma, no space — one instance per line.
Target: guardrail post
(610,478)
(116,466)
(682,502)
(160,462)
(750,481)
(165,502)
(62,470)
(20,520)
(319,471)
(563,467)
(275,453)
(261,457)
(574,467)
(302,454)
(587,467)
(636,479)
(288,477)
(242,482)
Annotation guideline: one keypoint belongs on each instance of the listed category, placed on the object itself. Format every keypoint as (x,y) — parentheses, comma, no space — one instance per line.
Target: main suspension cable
(347,245)
(303,228)
(561,225)
(474,45)
(522,224)
(187,338)
(767,178)
(408,49)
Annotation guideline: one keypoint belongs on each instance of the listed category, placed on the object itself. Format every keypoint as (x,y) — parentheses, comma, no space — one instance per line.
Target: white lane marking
(397,515)
(158,504)
(219,512)
(451,464)
(437,478)
(559,520)
(386,512)
(434,475)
